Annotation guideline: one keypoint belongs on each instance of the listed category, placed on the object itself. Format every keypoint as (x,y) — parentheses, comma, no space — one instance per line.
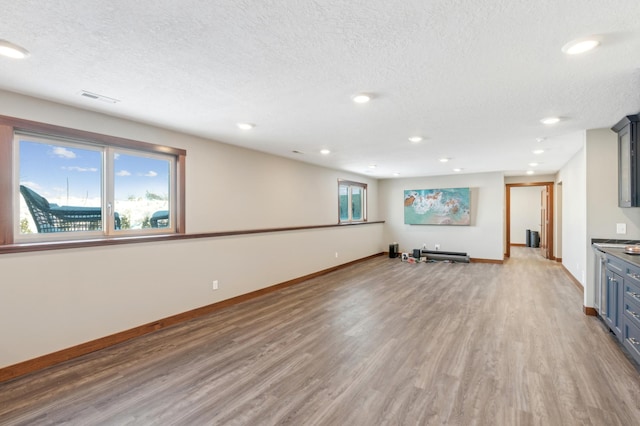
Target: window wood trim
(6,181)
(10,125)
(365,212)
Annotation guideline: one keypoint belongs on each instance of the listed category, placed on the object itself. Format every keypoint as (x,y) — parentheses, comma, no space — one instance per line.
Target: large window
(352,201)
(70,185)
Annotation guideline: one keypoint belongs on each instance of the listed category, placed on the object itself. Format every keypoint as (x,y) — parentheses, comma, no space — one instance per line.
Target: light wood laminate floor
(378,343)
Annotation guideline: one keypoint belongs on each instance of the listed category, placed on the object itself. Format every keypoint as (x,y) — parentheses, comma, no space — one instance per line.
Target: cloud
(32,185)
(123,173)
(63,152)
(80,169)
(151,173)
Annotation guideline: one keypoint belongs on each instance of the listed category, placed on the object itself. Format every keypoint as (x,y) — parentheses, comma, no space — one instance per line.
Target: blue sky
(48,168)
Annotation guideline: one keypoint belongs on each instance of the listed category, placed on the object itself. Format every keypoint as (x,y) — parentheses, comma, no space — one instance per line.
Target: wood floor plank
(381,342)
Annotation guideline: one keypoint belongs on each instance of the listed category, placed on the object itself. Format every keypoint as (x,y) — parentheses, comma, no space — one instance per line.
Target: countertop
(634,259)
(618,252)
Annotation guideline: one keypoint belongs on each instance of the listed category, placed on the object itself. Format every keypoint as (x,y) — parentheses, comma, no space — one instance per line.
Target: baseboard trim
(588,310)
(573,279)
(518,245)
(559,259)
(58,357)
(495,261)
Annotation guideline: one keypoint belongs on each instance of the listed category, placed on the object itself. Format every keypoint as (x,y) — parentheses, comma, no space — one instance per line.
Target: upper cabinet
(628,161)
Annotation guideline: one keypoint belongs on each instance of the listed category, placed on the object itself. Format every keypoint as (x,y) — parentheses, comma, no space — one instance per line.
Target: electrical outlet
(621,228)
(336,255)
(437,246)
(214,285)
(424,246)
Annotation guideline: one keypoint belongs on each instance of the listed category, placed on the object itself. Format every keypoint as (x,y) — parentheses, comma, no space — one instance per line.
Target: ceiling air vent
(98,97)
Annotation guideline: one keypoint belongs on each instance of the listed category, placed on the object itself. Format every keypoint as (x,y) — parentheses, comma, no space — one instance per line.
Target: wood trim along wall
(29,366)
(59,245)
(518,245)
(588,310)
(495,261)
(573,279)
(592,312)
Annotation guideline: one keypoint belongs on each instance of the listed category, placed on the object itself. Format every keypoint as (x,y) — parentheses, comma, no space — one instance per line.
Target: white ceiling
(473,78)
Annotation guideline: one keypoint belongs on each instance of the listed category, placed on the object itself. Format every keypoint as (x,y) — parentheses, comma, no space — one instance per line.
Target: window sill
(100,242)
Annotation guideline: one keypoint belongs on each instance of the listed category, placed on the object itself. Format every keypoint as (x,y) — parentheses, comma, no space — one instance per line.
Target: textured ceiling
(472,78)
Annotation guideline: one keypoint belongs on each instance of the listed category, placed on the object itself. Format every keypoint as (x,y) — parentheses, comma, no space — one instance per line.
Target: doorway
(546,217)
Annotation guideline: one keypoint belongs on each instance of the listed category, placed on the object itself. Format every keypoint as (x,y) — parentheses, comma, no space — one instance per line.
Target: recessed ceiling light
(372,166)
(457,170)
(245,126)
(581,45)
(444,160)
(530,172)
(361,98)
(538,151)
(12,50)
(550,120)
(396,174)
(533,164)
(325,152)
(415,139)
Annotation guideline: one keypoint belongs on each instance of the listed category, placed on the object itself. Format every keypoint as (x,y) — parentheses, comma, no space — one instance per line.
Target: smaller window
(352,201)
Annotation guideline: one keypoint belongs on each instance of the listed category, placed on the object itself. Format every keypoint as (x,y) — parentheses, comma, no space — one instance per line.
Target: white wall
(482,240)
(56,299)
(574,216)
(525,212)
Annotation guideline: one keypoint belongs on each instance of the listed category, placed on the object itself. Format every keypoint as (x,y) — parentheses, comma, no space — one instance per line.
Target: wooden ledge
(60,245)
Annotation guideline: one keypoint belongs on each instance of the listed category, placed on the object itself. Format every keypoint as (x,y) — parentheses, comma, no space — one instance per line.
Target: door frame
(550,209)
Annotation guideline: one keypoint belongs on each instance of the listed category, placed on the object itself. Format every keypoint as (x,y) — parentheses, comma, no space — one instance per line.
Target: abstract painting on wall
(437,206)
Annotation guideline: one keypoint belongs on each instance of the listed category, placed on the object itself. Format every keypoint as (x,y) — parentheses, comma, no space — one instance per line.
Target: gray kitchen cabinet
(613,317)
(628,161)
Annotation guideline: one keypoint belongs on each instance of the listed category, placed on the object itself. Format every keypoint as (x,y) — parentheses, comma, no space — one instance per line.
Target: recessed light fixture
(538,151)
(245,126)
(581,45)
(325,152)
(550,120)
(457,169)
(444,160)
(533,164)
(361,98)
(373,166)
(396,174)
(415,139)
(530,172)
(11,50)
